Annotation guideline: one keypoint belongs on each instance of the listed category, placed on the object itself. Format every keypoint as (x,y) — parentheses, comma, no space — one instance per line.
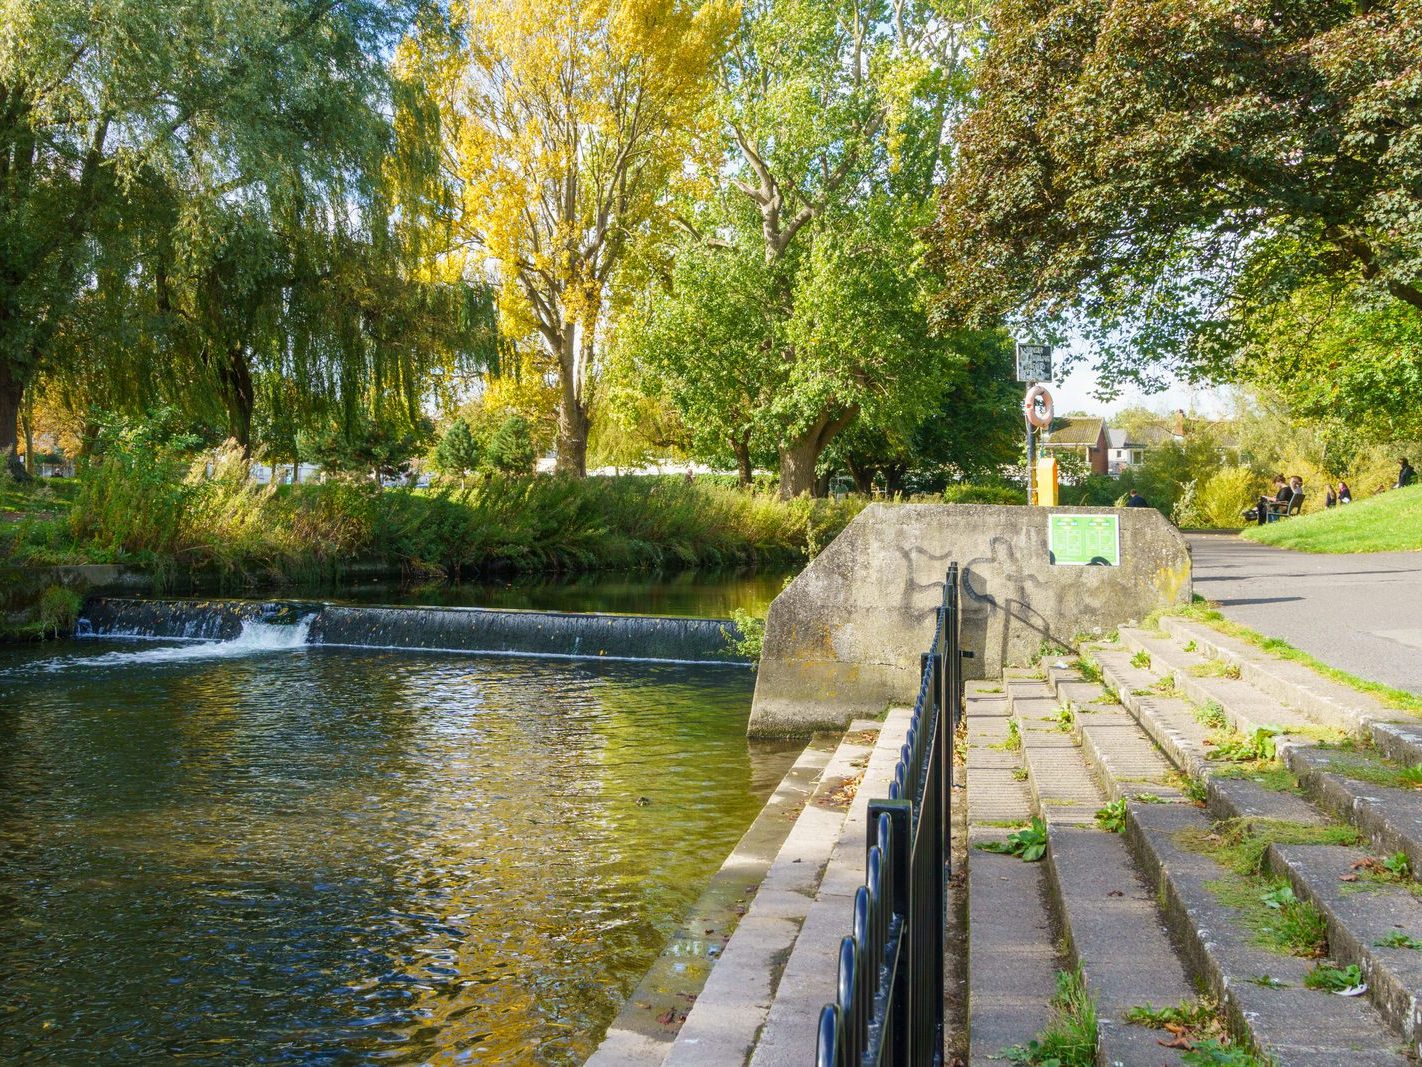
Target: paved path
(1361,613)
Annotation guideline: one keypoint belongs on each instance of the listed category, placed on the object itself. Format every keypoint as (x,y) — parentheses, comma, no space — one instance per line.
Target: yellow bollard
(1047,482)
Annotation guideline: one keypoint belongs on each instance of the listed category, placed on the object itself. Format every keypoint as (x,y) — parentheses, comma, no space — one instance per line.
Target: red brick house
(1084,435)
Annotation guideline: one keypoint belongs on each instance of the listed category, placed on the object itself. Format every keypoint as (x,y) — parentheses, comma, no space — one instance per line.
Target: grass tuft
(1070,1038)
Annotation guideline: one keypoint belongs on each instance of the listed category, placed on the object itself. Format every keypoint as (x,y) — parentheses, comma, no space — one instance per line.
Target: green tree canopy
(1164,168)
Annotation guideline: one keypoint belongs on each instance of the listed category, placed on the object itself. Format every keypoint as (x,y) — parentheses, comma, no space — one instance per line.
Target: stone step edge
(1388,991)
(1204,690)
(1117,1041)
(1223,803)
(1328,790)
(725,1022)
(1231,992)
(630,1041)
(1044,806)
(1305,689)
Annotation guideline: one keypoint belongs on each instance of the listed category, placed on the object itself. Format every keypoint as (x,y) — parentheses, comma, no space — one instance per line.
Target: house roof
(1118,438)
(1076,431)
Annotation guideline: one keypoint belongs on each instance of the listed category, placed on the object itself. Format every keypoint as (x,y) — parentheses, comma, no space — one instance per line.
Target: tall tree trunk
(573,360)
(863,476)
(894,474)
(12,395)
(797,467)
(235,378)
(799,458)
(740,445)
(27,424)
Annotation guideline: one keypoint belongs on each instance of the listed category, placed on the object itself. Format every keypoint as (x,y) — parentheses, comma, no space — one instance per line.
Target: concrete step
(723,1025)
(1122,756)
(1232,798)
(1262,992)
(1116,935)
(1011,947)
(1344,783)
(807,983)
(997,790)
(1395,733)
(1064,791)
(1361,914)
(1171,722)
(1390,816)
(643,1031)
(1245,706)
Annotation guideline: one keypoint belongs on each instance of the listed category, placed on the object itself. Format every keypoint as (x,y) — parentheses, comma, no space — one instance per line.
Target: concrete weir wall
(844,638)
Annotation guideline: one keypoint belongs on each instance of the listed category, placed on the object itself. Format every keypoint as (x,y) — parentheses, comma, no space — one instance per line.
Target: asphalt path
(1360,613)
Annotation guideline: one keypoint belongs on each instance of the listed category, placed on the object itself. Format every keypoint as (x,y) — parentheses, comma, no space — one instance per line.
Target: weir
(565,635)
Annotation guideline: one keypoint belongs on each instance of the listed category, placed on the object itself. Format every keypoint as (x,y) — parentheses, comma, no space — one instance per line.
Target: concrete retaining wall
(844,638)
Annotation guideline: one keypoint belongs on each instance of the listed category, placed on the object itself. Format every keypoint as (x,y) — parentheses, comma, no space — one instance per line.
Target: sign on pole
(1084,540)
(1034,362)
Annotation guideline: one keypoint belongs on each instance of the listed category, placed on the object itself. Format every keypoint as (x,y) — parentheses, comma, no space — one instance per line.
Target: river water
(266,852)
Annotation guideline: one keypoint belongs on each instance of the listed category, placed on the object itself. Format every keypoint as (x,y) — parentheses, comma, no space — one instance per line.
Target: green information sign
(1084,540)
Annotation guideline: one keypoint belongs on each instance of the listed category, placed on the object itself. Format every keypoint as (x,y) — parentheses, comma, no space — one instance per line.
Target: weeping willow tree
(207,206)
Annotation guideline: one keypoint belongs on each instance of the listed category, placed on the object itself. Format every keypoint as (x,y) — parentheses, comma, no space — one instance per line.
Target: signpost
(1084,540)
(1034,364)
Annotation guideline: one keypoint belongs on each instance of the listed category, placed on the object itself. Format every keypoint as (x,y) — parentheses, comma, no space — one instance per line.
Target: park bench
(1284,510)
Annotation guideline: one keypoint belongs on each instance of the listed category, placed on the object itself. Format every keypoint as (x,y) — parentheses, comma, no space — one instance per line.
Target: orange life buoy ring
(1037,407)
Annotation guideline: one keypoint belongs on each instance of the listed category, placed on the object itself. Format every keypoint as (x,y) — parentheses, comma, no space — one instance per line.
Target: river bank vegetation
(791,241)
(154,511)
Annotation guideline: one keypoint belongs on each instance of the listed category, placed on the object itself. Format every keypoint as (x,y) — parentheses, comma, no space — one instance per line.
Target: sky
(1076,393)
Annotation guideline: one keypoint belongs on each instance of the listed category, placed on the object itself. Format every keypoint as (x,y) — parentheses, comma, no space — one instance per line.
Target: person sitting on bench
(1284,506)
(1282,493)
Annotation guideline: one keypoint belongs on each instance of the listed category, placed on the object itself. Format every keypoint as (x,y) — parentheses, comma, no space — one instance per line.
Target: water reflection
(341,856)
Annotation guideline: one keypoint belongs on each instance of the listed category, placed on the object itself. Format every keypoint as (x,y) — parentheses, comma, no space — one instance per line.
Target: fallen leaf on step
(1180,1042)
(1348,878)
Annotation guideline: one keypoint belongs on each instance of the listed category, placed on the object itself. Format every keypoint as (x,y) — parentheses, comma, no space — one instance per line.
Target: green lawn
(1388,522)
(45,496)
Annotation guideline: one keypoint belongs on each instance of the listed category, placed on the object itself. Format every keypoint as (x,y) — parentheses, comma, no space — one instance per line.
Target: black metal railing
(888,1006)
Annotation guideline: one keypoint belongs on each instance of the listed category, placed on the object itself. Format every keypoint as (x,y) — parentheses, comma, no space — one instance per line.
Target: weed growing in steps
(1331,979)
(1216,1054)
(1029,843)
(1276,919)
(1241,844)
(1188,1014)
(1397,939)
(1373,769)
(1013,742)
(1195,1026)
(1089,669)
(1070,1038)
(1211,714)
(1216,668)
(1019,774)
(1255,747)
(1190,645)
(1112,818)
(1141,660)
(1065,717)
(1395,869)
(1271,775)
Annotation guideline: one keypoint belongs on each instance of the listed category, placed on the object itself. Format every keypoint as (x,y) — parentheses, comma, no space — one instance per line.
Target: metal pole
(1031,466)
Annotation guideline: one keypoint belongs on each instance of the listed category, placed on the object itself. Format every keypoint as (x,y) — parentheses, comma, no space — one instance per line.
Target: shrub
(970,493)
(1225,495)
(58,610)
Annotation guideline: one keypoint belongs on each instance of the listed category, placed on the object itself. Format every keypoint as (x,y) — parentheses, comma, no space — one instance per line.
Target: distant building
(1122,451)
(1084,435)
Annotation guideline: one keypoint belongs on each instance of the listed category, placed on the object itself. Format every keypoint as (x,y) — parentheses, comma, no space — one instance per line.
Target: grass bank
(1388,522)
(181,521)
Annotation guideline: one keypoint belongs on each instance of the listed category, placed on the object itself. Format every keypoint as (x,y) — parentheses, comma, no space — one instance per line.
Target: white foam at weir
(256,638)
